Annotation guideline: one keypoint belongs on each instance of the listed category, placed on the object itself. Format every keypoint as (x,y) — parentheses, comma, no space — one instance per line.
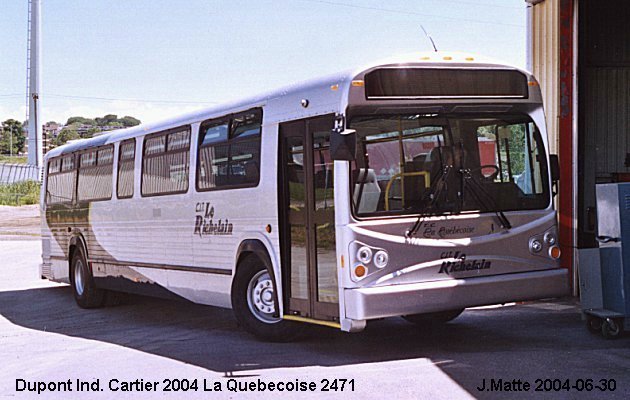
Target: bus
(417,186)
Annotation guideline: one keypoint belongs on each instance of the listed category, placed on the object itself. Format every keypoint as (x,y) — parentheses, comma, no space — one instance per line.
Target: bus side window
(229,152)
(95,174)
(61,180)
(126,162)
(165,162)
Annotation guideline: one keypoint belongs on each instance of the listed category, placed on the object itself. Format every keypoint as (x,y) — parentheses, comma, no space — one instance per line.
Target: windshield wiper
(432,196)
(475,189)
(436,189)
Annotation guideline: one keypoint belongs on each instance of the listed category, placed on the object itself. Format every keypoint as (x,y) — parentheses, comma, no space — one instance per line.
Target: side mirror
(343,144)
(554,167)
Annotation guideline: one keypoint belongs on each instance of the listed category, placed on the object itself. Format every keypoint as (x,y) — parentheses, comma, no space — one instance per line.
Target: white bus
(414,187)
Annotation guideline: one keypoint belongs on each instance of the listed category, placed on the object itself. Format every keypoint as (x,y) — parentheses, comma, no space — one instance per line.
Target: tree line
(13,133)
(12,139)
(83,128)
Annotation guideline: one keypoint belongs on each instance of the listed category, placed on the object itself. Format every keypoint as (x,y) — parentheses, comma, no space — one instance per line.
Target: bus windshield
(447,163)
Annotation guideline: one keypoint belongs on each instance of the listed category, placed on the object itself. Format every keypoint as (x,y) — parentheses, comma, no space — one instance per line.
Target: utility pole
(35,154)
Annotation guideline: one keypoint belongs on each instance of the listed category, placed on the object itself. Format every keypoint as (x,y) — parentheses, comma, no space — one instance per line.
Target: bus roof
(325,94)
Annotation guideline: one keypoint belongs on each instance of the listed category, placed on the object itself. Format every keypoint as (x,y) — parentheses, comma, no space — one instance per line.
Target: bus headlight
(535,246)
(381,258)
(364,254)
(550,238)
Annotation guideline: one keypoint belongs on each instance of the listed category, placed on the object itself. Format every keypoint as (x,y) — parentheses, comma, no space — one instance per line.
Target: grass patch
(19,193)
(12,160)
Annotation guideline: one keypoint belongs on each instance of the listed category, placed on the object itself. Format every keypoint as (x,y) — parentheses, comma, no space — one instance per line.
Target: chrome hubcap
(260,297)
(79,283)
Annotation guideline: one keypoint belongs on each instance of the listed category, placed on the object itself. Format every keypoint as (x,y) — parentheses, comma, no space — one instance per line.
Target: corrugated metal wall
(606,120)
(604,103)
(605,86)
(545,65)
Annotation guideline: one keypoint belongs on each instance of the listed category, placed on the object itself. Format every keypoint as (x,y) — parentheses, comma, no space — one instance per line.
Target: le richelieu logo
(460,263)
(205,224)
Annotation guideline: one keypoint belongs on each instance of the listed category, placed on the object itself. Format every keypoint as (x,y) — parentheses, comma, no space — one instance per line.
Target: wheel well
(73,247)
(75,242)
(255,247)
(242,256)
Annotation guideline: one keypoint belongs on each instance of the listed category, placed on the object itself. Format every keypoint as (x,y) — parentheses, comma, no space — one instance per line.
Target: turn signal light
(360,271)
(554,252)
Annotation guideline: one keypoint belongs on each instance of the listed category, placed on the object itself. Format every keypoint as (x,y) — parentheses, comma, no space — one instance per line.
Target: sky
(152,59)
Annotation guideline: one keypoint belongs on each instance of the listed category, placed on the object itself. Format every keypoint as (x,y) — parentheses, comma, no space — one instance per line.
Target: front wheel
(254,303)
(433,318)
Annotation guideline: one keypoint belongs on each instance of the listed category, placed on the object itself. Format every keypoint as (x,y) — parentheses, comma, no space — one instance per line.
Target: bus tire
(434,318)
(86,294)
(253,302)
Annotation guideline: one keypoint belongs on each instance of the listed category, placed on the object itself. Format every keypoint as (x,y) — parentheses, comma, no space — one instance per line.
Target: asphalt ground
(46,338)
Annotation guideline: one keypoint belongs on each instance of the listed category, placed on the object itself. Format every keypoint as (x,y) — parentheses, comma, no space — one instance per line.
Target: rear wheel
(433,318)
(254,303)
(86,294)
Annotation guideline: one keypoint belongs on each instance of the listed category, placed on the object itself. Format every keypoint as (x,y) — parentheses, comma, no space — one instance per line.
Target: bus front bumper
(424,297)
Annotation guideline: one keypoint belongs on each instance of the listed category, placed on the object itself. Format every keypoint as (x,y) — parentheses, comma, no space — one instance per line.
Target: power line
(409,12)
(65,96)
(474,3)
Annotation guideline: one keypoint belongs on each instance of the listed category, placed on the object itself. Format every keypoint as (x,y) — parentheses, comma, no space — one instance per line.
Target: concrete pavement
(45,337)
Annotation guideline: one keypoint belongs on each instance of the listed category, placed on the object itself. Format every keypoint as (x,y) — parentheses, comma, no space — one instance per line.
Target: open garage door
(604,104)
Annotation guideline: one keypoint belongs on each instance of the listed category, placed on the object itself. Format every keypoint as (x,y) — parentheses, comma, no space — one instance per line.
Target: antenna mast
(430,38)
(35,154)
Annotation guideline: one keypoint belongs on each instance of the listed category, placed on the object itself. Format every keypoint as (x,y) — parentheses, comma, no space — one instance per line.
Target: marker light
(360,271)
(447,58)
(364,254)
(381,258)
(358,83)
(550,239)
(554,252)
